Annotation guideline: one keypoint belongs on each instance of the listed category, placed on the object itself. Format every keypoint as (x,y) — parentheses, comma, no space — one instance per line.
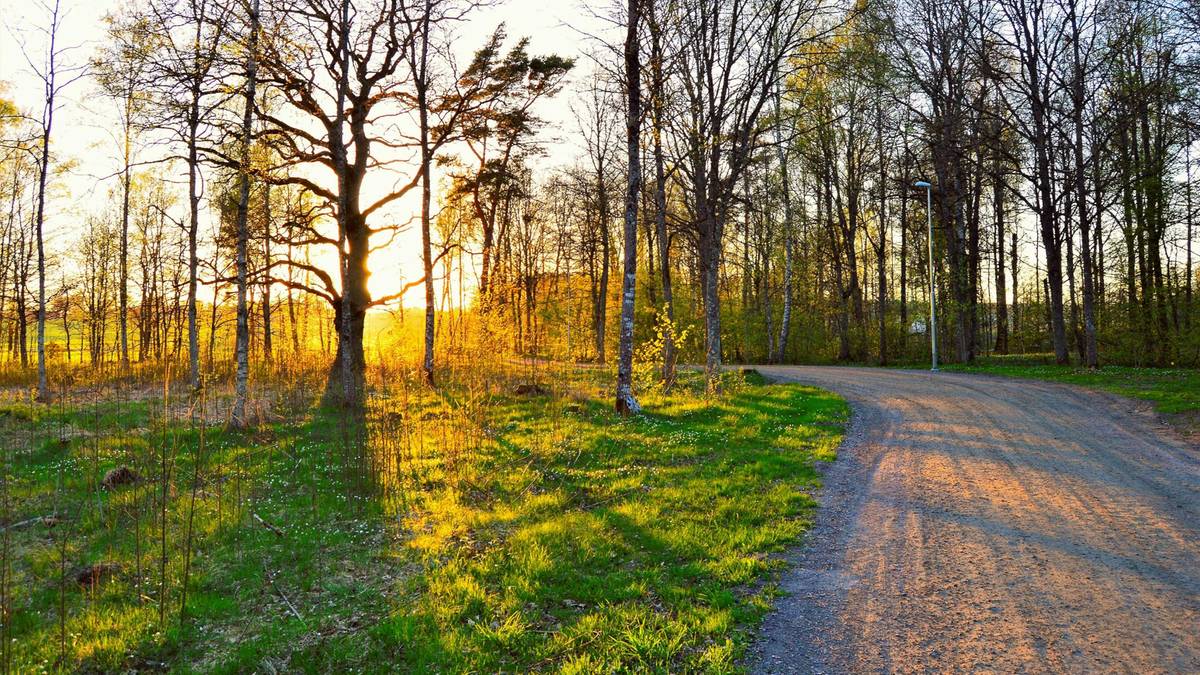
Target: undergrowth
(506,522)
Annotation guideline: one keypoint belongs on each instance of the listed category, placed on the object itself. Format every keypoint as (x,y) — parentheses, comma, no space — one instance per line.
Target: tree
(785,183)
(120,69)
(1034,37)
(597,127)
(626,403)
(1078,91)
(184,83)
(333,115)
(242,341)
(441,101)
(418,62)
(936,50)
(655,16)
(55,76)
(730,56)
(499,133)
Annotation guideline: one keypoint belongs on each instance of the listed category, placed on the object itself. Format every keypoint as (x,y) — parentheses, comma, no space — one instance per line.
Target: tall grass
(326,539)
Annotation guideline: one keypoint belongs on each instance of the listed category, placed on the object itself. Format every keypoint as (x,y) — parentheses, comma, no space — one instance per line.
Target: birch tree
(242,340)
(120,69)
(55,75)
(626,403)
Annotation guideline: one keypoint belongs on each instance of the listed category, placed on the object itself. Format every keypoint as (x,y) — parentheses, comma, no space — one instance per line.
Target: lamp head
(922,184)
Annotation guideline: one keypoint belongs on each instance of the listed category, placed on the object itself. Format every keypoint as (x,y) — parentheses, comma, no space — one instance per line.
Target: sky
(84,132)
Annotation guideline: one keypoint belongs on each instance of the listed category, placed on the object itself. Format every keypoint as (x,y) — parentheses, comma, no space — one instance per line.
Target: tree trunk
(600,307)
(1053,251)
(710,267)
(1189,221)
(346,374)
(242,340)
(1075,332)
(43,386)
(268,329)
(124,272)
(881,250)
(785,322)
(421,86)
(1090,356)
(626,404)
(998,187)
(906,181)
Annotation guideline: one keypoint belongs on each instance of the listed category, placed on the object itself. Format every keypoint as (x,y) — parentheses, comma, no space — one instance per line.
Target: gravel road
(980,524)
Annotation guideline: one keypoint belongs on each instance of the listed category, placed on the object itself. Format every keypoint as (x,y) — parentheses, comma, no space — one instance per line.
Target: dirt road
(978,524)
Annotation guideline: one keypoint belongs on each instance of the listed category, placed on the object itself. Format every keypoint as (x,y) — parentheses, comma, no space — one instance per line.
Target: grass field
(1172,390)
(475,530)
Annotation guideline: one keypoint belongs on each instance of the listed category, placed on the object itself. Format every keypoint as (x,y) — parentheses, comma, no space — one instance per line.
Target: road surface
(980,524)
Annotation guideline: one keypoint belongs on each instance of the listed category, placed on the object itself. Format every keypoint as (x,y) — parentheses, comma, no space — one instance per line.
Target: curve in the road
(974,523)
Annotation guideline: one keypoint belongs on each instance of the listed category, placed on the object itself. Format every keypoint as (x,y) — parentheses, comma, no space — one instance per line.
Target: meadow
(508,521)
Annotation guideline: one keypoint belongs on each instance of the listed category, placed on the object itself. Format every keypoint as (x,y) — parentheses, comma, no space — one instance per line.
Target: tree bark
(998,211)
(50,76)
(600,306)
(242,339)
(123,317)
(785,322)
(1190,222)
(1091,358)
(881,248)
(421,86)
(626,404)
(268,329)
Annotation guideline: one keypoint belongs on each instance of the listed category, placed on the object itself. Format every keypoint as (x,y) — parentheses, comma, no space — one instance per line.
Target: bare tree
(184,81)
(1034,36)
(785,181)
(120,69)
(442,100)
(596,124)
(731,55)
(334,104)
(656,15)
(242,340)
(626,403)
(1076,83)
(55,76)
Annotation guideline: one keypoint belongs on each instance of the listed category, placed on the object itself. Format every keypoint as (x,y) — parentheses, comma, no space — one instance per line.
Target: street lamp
(932,286)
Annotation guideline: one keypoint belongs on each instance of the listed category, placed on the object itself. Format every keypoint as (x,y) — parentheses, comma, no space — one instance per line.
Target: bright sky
(85,121)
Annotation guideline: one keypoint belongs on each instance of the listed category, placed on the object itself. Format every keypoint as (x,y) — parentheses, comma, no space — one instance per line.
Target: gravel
(973,523)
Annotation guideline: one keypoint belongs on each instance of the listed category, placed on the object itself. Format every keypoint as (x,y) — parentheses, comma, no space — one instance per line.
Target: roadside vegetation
(509,521)
(1171,390)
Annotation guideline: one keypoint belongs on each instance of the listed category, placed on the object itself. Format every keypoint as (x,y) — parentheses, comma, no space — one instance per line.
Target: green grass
(1172,390)
(471,531)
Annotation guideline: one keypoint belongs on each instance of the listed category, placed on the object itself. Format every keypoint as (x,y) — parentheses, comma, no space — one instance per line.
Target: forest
(356,261)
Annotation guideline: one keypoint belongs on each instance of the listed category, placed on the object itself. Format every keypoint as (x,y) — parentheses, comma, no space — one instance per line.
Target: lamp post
(932,286)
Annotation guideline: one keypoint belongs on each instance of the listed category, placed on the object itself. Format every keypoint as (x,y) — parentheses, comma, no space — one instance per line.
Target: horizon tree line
(764,190)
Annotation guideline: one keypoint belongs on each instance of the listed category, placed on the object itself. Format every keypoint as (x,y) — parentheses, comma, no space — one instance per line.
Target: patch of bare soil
(92,575)
(530,389)
(118,476)
(1186,424)
(985,524)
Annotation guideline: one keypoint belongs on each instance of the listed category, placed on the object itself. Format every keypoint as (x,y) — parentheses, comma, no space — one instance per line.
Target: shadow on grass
(522,534)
